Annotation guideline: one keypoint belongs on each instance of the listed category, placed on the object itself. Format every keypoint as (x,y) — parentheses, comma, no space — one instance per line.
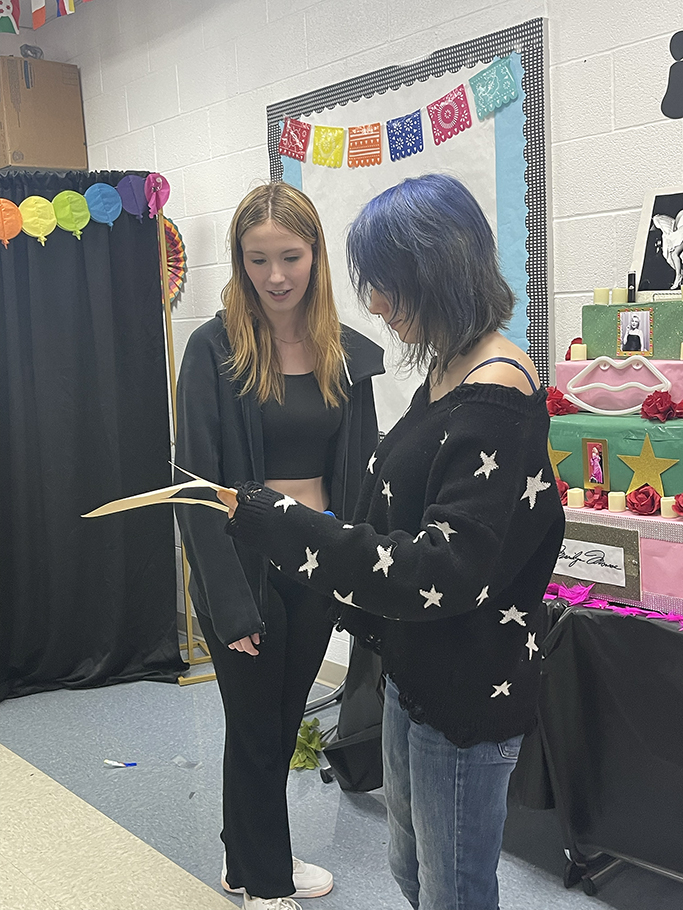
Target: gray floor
(171,800)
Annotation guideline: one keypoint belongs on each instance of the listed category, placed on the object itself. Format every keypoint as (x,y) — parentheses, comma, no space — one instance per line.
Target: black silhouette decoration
(672,102)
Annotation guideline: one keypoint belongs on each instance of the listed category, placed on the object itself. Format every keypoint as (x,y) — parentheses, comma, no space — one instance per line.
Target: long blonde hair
(254,354)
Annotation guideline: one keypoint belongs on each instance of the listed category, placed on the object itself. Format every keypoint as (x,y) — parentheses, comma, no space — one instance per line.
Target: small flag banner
(294,139)
(42,10)
(405,135)
(9,16)
(365,145)
(328,146)
(38,10)
(493,87)
(449,115)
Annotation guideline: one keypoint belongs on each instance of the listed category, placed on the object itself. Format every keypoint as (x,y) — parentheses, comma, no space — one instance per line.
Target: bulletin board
(475,110)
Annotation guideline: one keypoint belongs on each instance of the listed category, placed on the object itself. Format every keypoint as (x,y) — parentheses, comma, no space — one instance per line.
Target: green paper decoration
(72,212)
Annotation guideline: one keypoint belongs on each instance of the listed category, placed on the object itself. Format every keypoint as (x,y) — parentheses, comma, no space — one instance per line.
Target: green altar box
(577,434)
(617,330)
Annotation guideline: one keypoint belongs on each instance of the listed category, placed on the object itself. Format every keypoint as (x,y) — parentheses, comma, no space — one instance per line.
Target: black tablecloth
(609,748)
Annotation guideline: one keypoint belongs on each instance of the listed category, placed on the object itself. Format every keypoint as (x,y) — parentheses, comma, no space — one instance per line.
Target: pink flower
(578,594)
(597,604)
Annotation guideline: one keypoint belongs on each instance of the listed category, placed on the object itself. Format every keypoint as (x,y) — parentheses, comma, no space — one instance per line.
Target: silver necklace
(284,340)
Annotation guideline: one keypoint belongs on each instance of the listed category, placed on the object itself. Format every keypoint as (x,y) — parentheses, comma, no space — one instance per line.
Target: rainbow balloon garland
(71,211)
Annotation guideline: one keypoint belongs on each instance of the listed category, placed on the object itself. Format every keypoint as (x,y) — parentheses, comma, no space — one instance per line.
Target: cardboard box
(41,115)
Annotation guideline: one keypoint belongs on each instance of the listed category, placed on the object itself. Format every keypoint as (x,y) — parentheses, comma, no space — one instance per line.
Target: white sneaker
(270,903)
(309,881)
(224,878)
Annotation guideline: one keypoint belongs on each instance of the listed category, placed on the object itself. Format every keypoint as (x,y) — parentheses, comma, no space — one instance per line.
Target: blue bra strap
(503,360)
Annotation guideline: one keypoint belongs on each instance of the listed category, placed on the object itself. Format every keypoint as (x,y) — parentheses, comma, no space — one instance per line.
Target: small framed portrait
(595,464)
(635,328)
(658,253)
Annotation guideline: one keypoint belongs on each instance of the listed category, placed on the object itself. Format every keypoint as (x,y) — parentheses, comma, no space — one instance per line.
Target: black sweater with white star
(443,569)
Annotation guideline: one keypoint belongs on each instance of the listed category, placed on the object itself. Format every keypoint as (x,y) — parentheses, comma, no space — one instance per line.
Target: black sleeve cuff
(247,522)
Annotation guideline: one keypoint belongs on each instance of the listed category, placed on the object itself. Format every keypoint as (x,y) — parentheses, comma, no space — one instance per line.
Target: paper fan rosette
(176,259)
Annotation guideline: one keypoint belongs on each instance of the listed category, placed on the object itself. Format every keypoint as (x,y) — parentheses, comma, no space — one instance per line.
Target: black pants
(264,699)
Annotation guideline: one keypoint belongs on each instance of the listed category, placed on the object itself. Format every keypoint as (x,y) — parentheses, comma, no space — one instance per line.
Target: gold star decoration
(556,456)
(647,468)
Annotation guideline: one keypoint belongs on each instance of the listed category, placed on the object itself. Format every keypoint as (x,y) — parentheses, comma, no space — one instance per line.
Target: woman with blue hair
(453,542)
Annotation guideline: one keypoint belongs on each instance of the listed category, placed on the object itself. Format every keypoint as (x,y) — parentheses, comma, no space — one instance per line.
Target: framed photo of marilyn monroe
(595,464)
(634,331)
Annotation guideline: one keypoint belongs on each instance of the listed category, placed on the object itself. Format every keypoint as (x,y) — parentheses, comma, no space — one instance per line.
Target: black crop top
(297,434)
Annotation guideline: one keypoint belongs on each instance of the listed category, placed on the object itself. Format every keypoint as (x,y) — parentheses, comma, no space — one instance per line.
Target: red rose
(644,500)
(562,488)
(596,498)
(658,406)
(677,505)
(679,408)
(568,355)
(557,404)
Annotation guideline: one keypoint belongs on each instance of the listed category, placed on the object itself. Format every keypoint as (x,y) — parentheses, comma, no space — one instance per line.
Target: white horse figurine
(672,243)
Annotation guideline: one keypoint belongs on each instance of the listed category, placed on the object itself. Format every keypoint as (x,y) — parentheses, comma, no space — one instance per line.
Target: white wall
(182,88)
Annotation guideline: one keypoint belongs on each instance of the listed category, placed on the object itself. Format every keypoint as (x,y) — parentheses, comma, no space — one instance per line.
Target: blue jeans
(446,809)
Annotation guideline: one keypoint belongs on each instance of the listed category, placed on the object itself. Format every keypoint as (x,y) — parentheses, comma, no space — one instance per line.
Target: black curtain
(84,418)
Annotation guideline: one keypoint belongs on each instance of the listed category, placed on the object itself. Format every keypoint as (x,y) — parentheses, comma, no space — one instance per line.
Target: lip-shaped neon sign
(615,388)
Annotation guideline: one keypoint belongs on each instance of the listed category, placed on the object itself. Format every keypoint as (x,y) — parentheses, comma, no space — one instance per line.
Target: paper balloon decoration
(10,221)
(104,203)
(131,189)
(157,191)
(72,212)
(38,217)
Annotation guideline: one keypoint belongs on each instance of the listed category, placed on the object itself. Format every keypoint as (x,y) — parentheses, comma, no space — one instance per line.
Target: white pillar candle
(666,507)
(601,295)
(577,352)
(616,501)
(619,295)
(681,357)
(575,498)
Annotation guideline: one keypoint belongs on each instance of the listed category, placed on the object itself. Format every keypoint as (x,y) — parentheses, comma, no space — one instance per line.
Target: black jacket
(220,438)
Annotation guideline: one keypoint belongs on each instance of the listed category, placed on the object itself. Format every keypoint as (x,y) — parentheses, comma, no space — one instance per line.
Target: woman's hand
(228,499)
(247,644)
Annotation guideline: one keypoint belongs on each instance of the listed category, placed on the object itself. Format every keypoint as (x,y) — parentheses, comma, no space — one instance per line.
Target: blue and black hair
(426,245)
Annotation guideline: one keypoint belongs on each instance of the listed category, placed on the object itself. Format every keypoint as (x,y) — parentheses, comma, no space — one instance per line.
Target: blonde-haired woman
(275,389)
